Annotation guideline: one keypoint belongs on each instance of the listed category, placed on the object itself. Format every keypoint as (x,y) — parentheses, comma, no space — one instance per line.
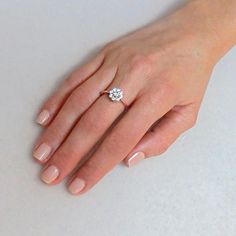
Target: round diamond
(116,94)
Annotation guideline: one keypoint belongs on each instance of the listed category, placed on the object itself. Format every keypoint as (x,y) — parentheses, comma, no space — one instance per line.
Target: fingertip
(42,152)
(50,174)
(76,186)
(134,159)
(43,117)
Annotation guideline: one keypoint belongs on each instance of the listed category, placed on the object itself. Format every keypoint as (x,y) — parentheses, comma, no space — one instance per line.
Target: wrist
(218,24)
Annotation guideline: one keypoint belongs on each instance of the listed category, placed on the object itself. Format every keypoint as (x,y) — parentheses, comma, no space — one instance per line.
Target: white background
(190,190)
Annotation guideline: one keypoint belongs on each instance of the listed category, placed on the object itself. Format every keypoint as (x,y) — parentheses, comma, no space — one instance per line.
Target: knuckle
(166,92)
(168,88)
(186,120)
(107,71)
(189,120)
(71,80)
(109,46)
(192,116)
(162,149)
(141,63)
(75,96)
(192,121)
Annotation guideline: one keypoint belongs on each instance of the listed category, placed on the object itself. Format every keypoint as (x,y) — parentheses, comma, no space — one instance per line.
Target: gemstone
(115,94)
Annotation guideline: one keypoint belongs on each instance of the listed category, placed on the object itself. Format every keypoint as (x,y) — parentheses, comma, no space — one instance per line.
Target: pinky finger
(162,135)
(51,107)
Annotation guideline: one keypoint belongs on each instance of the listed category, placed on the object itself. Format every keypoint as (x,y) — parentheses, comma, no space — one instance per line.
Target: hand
(163,70)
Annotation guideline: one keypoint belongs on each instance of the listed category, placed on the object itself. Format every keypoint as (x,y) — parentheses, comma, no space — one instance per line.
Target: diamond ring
(115,95)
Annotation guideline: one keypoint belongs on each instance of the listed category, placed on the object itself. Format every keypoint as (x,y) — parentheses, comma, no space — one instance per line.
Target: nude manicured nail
(135,159)
(50,174)
(42,117)
(77,185)
(42,152)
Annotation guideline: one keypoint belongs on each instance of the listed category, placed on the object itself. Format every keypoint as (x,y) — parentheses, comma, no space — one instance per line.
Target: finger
(119,142)
(162,135)
(89,130)
(77,103)
(53,104)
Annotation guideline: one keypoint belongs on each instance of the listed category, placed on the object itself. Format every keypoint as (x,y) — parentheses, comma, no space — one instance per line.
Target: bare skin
(163,70)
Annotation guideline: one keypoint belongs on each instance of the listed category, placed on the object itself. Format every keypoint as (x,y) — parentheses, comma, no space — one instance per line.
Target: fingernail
(77,185)
(50,174)
(42,152)
(135,159)
(42,117)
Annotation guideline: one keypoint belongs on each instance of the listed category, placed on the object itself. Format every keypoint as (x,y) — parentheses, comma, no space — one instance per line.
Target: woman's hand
(163,70)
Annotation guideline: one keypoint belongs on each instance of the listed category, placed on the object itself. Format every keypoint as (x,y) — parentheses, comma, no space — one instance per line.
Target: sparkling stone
(116,94)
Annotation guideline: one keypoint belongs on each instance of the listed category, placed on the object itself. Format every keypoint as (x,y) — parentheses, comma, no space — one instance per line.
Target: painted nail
(50,174)
(42,152)
(42,117)
(76,186)
(135,159)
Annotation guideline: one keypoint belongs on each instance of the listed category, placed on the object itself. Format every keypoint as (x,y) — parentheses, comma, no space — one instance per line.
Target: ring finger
(89,129)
